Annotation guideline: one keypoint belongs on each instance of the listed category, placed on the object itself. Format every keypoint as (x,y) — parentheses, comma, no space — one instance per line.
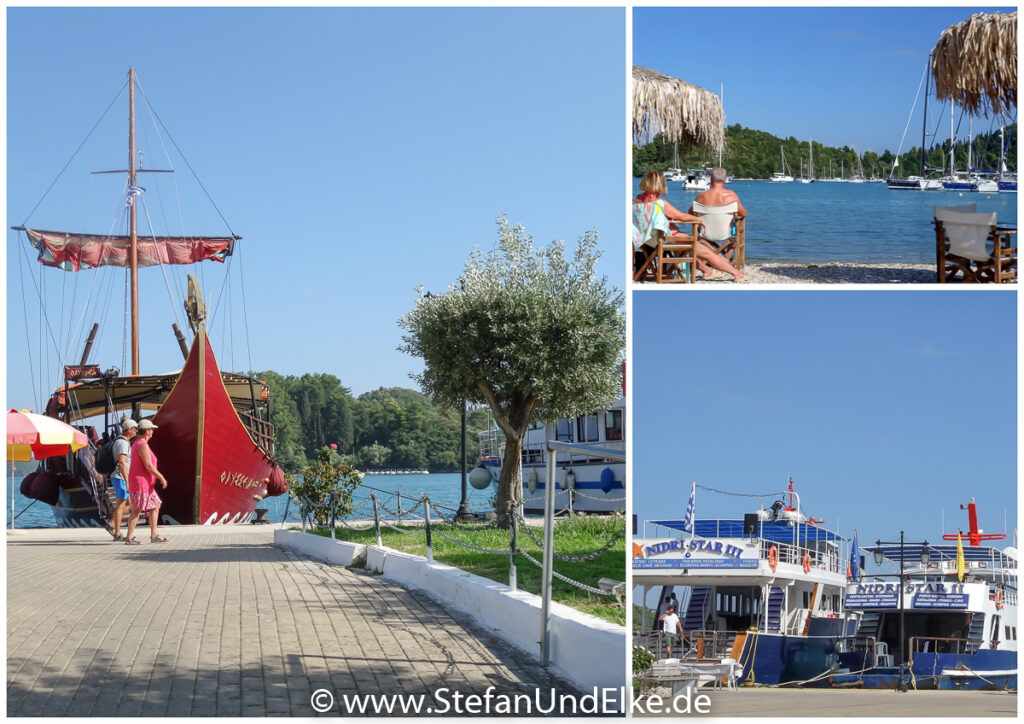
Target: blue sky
(887,408)
(359,152)
(843,76)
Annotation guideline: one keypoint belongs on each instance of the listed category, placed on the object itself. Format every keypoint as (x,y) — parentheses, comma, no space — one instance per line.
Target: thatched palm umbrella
(679,110)
(975,63)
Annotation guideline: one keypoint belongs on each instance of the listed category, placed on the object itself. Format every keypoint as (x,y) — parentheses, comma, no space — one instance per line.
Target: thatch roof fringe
(679,110)
(975,64)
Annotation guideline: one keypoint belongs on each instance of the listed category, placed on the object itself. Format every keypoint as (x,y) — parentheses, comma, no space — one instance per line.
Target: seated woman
(652,187)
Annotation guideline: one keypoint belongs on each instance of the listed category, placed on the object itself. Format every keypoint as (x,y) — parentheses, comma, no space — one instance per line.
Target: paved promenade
(218,621)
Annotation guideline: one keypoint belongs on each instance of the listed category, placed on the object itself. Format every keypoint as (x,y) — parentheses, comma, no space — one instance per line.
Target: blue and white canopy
(777,531)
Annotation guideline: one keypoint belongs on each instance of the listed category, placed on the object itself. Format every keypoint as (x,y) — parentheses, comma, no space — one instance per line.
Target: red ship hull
(215,470)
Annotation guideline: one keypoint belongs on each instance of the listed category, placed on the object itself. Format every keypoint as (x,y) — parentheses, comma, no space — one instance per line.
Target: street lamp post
(463,512)
(879,556)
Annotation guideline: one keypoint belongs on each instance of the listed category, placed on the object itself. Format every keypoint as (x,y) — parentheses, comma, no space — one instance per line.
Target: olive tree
(531,332)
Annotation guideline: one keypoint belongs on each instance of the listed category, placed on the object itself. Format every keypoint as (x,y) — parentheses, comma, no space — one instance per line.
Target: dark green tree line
(751,153)
(387,428)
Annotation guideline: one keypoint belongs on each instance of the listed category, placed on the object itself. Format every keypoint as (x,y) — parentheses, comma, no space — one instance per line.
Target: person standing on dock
(671,626)
(119,478)
(142,478)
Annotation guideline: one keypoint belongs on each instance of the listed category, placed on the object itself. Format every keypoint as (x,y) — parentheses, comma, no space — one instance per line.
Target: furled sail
(74,252)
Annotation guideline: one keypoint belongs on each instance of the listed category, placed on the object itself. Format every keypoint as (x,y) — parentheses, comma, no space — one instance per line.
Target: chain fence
(451,519)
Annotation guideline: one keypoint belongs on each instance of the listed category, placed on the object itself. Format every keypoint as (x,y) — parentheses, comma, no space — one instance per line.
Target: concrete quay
(861,703)
(220,622)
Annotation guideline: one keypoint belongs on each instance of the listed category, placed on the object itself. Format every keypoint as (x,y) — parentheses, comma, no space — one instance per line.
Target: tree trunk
(510,486)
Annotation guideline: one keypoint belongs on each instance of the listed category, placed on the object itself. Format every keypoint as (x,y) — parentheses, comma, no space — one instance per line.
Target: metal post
(399,494)
(512,529)
(305,509)
(549,534)
(333,501)
(12,494)
(463,511)
(902,685)
(426,523)
(376,519)
(287,503)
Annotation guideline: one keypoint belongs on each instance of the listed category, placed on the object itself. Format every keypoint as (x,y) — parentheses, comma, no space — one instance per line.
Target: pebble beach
(833,273)
(826,273)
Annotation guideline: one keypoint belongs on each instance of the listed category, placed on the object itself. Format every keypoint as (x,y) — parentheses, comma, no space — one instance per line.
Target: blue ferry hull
(986,669)
(771,659)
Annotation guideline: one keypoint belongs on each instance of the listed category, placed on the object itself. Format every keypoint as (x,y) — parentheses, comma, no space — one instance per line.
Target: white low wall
(585,650)
(335,552)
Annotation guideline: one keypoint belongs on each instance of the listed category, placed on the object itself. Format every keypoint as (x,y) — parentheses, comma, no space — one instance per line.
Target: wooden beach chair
(724,231)
(670,261)
(969,247)
(657,255)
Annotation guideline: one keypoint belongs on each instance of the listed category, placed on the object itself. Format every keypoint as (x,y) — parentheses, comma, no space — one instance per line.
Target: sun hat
(147,425)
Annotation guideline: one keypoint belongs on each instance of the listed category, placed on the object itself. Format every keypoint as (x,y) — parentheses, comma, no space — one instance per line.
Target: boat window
(563,431)
(835,601)
(807,599)
(586,428)
(994,637)
(613,425)
(1007,629)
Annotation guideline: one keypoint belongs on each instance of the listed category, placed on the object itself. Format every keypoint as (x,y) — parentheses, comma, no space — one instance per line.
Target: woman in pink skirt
(142,478)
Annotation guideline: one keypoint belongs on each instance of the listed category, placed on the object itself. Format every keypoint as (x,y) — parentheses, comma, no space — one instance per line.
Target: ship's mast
(133,249)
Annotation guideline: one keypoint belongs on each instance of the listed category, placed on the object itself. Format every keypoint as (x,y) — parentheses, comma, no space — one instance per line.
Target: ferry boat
(762,594)
(215,443)
(959,631)
(590,484)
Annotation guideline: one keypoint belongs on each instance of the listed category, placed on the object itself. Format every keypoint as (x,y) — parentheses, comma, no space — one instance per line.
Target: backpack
(105,463)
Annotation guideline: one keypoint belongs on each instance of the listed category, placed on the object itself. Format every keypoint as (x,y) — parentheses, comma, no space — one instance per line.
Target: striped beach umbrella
(31,436)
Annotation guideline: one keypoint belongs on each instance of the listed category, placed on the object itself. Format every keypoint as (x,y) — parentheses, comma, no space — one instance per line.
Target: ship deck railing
(793,554)
(262,431)
(936,645)
(698,645)
(867,647)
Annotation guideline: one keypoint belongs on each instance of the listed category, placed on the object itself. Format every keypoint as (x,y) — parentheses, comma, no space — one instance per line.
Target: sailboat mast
(952,161)
(924,122)
(133,253)
(722,99)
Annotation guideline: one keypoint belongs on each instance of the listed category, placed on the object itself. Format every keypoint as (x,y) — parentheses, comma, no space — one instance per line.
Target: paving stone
(219,622)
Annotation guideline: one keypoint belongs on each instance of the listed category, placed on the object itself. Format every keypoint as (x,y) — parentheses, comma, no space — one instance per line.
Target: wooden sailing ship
(215,442)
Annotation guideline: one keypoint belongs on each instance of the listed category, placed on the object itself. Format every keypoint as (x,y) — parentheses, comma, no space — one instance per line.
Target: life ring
(773,557)
(807,563)
(999,599)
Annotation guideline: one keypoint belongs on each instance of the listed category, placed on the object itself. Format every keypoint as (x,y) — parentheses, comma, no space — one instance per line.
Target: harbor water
(443,488)
(824,221)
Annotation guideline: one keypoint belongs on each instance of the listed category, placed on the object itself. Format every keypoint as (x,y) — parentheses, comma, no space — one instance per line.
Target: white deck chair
(968,241)
(724,231)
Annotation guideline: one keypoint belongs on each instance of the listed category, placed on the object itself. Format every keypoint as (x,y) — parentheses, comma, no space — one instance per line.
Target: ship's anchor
(195,307)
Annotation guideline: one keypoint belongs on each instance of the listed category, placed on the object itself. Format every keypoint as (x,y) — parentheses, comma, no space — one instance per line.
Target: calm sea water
(821,222)
(441,487)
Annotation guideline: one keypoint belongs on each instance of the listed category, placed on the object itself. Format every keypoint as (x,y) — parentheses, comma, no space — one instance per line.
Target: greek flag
(688,520)
(133,191)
